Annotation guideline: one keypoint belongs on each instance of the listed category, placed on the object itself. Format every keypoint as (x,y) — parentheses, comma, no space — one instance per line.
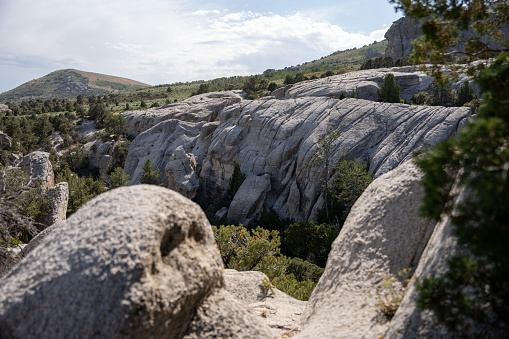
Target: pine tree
(149,175)
(465,94)
(390,90)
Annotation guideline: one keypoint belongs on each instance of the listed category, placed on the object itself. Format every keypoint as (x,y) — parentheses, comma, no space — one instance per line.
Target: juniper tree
(390,90)
(474,290)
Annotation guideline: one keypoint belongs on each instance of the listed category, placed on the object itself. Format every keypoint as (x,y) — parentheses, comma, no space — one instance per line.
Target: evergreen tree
(118,178)
(149,175)
(390,90)
(474,290)
(465,94)
(236,181)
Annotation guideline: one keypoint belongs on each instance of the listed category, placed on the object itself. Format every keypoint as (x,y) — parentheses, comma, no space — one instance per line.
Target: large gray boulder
(58,197)
(405,30)
(382,235)
(400,36)
(198,108)
(137,261)
(248,200)
(366,84)
(39,169)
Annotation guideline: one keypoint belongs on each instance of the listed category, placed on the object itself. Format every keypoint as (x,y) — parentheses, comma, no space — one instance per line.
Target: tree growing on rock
(322,160)
(149,175)
(390,90)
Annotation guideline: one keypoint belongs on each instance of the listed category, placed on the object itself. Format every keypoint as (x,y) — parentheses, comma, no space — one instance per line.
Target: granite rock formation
(134,262)
(382,235)
(275,138)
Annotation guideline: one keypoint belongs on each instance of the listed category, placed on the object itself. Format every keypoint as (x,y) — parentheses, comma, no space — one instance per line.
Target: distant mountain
(69,83)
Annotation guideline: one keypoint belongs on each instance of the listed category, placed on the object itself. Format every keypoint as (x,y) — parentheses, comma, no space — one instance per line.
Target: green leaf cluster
(248,250)
(475,288)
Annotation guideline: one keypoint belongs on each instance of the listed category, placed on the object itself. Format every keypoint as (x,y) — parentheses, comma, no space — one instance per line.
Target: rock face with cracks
(382,235)
(276,137)
(134,262)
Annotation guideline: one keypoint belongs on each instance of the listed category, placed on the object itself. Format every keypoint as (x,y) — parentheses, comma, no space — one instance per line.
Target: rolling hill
(69,83)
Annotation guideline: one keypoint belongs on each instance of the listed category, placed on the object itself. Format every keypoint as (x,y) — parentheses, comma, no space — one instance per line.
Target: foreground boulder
(382,235)
(134,262)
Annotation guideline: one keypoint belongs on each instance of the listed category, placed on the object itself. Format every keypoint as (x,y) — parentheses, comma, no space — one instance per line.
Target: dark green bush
(309,241)
(304,270)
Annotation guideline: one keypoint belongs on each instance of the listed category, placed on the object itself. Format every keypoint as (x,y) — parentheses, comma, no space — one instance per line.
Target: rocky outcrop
(405,30)
(101,154)
(248,200)
(87,128)
(105,272)
(5,142)
(58,197)
(400,36)
(275,138)
(277,309)
(4,108)
(382,235)
(198,108)
(39,169)
(366,84)
(181,171)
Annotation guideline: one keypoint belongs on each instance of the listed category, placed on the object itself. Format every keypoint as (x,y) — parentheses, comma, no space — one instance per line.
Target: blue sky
(166,41)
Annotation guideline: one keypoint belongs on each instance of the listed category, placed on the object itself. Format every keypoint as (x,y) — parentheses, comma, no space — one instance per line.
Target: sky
(167,41)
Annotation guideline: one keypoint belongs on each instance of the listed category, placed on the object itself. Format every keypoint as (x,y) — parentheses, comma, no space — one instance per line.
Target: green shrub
(304,270)
(300,290)
(465,94)
(149,175)
(420,98)
(309,241)
(254,250)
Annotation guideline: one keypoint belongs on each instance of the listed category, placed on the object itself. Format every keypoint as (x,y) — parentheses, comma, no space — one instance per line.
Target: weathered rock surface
(382,235)
(87,128)
(221,316)
(366,84)
(5,142)
(248,200)
(58,198)
(203,107)
(135,262)
(405,30)
(277,309)
(39,168)
(181,171)
(100,154)
(276,138)
(400,36)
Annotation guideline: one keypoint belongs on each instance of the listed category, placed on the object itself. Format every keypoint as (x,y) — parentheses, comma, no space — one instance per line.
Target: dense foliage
(474,291)
(258,250)
(476,285)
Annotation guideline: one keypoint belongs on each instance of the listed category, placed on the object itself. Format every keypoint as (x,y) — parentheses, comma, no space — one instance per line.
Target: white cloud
(203,12)
(160,41)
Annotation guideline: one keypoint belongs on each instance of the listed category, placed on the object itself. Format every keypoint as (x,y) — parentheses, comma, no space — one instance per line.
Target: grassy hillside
(68,84)
(122,94)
